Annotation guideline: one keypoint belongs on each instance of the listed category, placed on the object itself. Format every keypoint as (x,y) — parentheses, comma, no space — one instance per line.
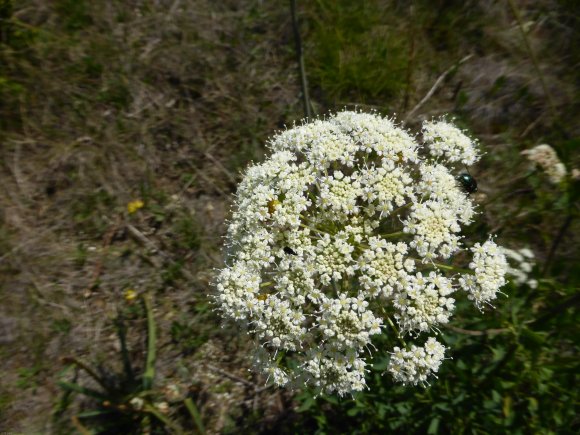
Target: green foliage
(188,233)
(88,211)
(194,329)
(359,50)
(27,377)
(75,14)
(514,380)
(124,402)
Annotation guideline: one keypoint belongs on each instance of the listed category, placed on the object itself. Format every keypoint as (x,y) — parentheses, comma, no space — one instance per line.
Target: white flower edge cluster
(489,266)
(446,140)
(417,364)
(350,225)
(546,157)
(520,265)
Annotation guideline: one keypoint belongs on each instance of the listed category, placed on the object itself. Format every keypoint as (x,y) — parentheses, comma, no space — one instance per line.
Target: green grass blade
(149,374)
(95,413)
(122,333)
(163,419)
(80,364)
(69,386)
(195,415)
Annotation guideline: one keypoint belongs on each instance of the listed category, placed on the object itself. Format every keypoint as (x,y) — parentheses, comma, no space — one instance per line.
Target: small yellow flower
(130,295)
(133,206)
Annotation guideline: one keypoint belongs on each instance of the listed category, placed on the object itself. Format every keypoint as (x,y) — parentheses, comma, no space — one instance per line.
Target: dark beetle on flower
(467,182)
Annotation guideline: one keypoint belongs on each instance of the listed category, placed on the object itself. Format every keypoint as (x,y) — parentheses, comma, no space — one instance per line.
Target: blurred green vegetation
(515,378)
(105,102)
(359,50)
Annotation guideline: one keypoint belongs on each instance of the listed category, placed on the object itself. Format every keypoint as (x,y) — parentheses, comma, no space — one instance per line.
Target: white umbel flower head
(546,158)
(348,226)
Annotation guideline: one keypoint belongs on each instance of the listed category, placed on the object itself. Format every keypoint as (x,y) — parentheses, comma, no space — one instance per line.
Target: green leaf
(195,415)
(532,405)
(433,426)
(331,399)
(352,412)
(162,418)
(149,374)
(82,390)
(507,406)
(95,413)
(306,405)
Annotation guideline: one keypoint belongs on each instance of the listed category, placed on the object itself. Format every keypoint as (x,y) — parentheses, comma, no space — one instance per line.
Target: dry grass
(162,101)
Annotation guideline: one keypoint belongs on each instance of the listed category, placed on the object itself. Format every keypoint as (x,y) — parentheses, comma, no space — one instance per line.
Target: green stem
(300,58)
(166,421)
(401,208)
(149,374)
(548,95)
(86,368)
(556,243)
(396,330)
(453,268)
(121,332)
(393,235)
(195,415)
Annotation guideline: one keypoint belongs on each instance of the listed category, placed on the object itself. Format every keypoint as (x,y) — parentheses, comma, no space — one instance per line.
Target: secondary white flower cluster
(545,156)
(345,232)
(417,364)
(521,262)
(489,266)
(446,140)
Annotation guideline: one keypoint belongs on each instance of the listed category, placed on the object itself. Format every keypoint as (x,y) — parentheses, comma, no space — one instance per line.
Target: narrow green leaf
(122,333)
(195,415)
(163,419)
(82,390)
(149,374)
(95,413)
(433,426)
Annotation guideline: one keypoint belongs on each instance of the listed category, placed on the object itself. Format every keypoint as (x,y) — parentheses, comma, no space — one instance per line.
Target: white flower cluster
(489,266)
(350,225)
(415,365)
(446,140)
(545,156)
(521,262)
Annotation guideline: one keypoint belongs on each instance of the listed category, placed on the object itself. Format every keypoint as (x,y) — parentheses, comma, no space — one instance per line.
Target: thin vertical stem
(548,95)
(300,58)
(411,59)
(149,374)
(559,237)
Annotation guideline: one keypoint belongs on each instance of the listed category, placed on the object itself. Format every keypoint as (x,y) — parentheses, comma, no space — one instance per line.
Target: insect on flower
(467,182)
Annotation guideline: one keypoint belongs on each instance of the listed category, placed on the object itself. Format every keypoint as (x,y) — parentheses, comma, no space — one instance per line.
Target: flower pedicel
(346,231)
